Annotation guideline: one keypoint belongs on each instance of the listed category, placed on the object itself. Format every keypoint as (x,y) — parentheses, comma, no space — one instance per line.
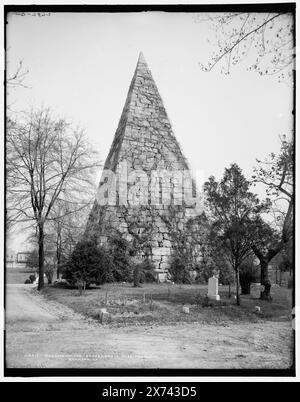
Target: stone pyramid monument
(146,179)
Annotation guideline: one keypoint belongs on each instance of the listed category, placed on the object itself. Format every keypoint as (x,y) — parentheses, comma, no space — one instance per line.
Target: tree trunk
(80,288)
(136,277)
(237,279)
(41,256)
(264,280)
(280,277)
(58,265)
(58,257)
(246,288)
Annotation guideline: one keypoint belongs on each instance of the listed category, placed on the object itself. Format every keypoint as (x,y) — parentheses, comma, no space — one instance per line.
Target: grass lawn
(133,306)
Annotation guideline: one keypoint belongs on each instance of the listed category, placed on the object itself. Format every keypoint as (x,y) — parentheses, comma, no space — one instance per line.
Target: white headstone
(213,288)
(186,310)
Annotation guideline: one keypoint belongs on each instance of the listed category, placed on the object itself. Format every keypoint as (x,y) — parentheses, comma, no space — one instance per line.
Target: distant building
(22,257)
(16,260)
(10,259)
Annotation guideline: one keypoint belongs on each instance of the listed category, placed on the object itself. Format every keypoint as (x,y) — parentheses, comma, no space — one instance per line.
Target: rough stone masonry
(143,164)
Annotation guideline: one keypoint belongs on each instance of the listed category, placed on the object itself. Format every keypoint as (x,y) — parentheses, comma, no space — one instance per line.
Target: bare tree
(266,39)
(66,226)
(277,174)
(16,79)
(47,159)
(49,252)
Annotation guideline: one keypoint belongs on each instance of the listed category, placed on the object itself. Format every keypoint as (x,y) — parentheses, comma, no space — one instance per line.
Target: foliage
(47,160)
(277,174)
(33,259)
(233,207)
(120,267)
(65,227)
(147,271)
(226,276)
(140,226)
(285,266)
(214,261)
(88,264)
(188,238)
(143,271)
(204,272)
(247,276)
(179,271)
(265,39)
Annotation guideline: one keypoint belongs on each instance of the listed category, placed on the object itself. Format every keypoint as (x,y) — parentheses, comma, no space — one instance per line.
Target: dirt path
(40,333)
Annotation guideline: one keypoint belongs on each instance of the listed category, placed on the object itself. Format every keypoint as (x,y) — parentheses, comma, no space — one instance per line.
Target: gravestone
(185,310)
(103,315)
(213,288)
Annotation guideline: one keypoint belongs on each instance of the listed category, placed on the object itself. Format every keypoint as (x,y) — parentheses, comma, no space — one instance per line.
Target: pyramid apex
(141,58)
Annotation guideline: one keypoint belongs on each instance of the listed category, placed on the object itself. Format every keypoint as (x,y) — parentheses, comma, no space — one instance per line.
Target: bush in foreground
(143,272)
(88,264)
(179,271)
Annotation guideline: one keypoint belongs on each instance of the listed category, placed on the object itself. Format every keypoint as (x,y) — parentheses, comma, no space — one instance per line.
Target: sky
(81,65)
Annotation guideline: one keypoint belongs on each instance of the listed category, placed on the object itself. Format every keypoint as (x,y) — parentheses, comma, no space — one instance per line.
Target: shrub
(144,272)
(33,260)
(120,267)
(226,275)
(179,271)
(63,284)
(88,264)
(285,265)
(204,272)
